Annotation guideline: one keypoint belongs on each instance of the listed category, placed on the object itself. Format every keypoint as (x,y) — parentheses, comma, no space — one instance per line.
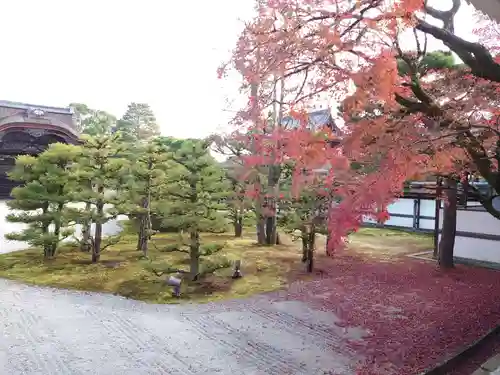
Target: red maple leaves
(415,315)
(397,127)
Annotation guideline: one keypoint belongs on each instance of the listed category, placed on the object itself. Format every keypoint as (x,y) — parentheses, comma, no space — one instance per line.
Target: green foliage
(172,144)
(307,208)
(41,201)
(211,248)
(138,123)
(93,122)
(430,61)
(209,266)
(96,181)
(147,174)
(197,190)
(240,206)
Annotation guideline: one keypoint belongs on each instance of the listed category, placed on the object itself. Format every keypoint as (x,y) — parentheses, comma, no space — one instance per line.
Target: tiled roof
(316,119)
(19,105)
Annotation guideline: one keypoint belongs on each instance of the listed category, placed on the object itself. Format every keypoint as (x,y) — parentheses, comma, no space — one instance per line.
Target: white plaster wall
(110,228)
(473,221)
(405,222)
(428,208)
(396,221)
(405,206)
(476,248)
(401,206)
(427,224)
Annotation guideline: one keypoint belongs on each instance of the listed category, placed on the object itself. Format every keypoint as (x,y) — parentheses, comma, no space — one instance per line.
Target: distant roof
(316,119)
(19,105)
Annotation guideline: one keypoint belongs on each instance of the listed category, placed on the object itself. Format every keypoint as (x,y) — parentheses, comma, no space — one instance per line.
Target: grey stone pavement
(490,367)
(46,331)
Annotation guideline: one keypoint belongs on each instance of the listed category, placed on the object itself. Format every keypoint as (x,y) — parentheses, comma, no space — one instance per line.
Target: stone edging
(469,350)
(489,366)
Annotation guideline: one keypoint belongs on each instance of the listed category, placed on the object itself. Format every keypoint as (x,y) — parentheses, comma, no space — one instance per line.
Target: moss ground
(123,271)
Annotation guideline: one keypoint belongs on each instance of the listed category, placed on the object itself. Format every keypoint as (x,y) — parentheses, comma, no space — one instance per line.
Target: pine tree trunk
(86,226)
(304,245)
(142,240)
(47,251)
(447,243)
(96,248)
(57,230)
(194,254)
(311,243)
(97,243)
(238,227)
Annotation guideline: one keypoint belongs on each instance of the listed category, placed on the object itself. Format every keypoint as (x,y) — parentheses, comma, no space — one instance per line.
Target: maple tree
(425,120)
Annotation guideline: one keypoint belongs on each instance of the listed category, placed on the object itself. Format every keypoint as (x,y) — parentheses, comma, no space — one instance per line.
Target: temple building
(27,129)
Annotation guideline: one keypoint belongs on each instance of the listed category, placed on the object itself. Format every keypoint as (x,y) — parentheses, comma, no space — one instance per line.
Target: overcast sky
(107,53)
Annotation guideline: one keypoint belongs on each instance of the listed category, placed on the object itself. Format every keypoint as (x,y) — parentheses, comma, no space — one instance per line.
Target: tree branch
(475,55)
(171,249)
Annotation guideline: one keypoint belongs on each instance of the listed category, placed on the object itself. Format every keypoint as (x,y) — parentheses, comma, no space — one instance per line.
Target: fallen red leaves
(417,315)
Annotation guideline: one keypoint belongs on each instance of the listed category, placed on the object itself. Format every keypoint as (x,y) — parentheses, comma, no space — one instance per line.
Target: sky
(108,53)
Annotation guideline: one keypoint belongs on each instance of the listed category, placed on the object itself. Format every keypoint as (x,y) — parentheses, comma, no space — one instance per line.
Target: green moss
(123,271)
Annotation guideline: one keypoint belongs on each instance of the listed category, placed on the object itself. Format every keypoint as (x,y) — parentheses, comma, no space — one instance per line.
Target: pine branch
(171,248)
(112,241)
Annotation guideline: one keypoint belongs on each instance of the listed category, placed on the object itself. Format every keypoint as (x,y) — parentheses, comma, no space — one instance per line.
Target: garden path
(49,331)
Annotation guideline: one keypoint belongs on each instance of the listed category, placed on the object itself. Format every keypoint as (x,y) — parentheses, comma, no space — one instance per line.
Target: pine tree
(239,204)
(91,121)
(304,213)
(43,197)
(96,181)
(147,175)
(196,189)
(138,123)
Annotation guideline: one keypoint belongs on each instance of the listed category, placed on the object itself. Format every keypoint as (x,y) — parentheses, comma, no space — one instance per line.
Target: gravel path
(48,331)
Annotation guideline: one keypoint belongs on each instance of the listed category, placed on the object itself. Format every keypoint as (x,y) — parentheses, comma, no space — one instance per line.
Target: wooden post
(437,211)
(416,213)
(465,190)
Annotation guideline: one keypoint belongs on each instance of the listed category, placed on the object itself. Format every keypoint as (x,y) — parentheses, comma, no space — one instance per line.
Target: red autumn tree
(421,122)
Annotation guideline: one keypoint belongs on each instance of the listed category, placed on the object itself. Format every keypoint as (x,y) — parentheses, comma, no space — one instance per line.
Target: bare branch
(447,16)
(475,55)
